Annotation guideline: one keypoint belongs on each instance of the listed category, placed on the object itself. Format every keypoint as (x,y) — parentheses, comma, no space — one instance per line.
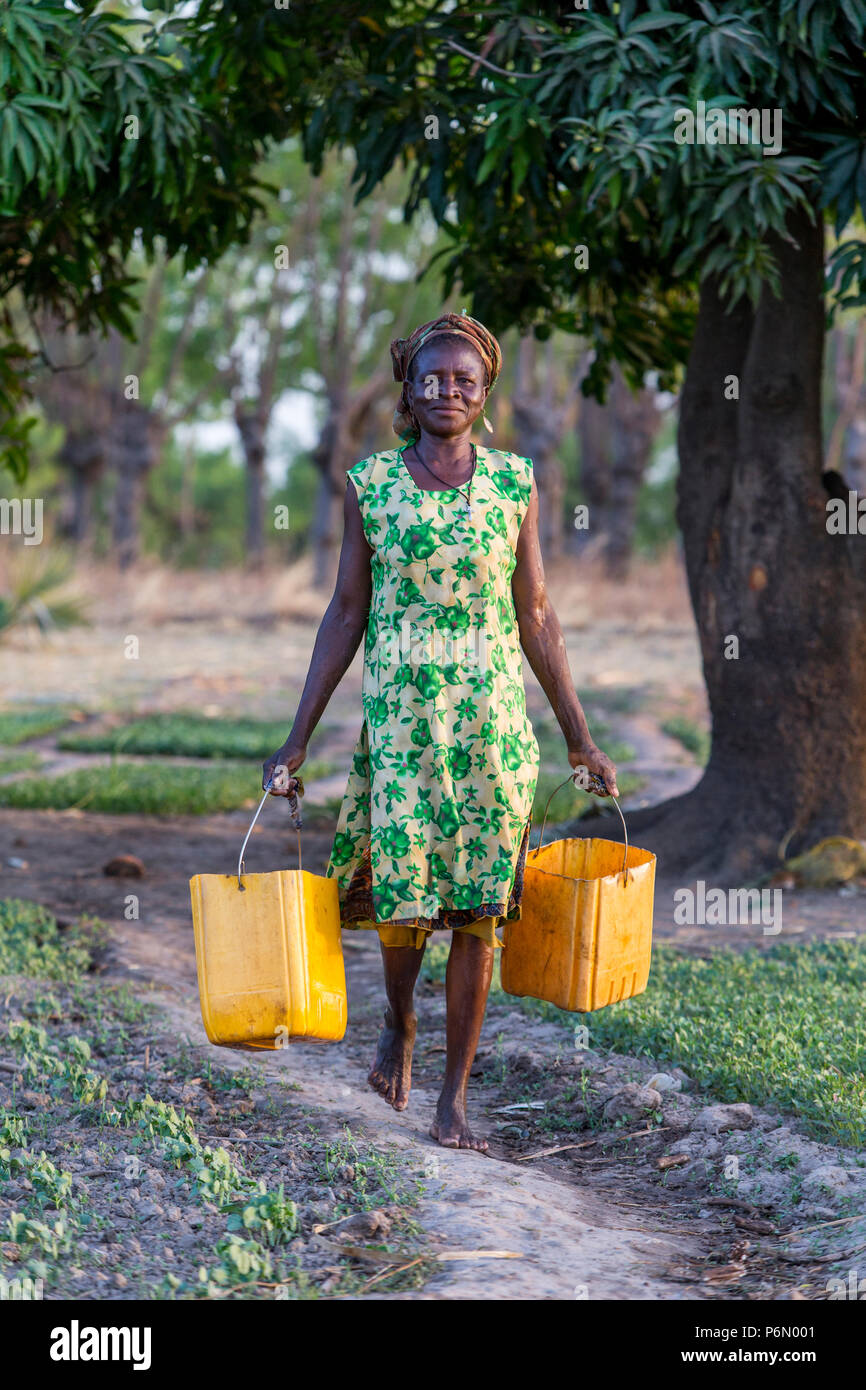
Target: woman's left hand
(595,761)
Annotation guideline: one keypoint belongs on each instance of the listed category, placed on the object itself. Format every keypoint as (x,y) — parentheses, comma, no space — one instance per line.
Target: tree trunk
(615,446)
(81,456)
(634,423)
(538,429)
(252,425)
(333,455)
(132,447)
(788,760)
(593,429)
(338,447)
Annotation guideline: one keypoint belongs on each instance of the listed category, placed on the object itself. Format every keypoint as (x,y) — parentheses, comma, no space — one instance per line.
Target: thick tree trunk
(788,761)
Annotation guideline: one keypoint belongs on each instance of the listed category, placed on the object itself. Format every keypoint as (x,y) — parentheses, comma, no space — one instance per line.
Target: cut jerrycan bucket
(269,954)
(584,937)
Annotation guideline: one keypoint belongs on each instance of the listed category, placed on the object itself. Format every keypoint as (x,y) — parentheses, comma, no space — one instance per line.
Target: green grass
(184,735)
(784,1027)
(695,739)
(24,761)
(18,725)
(150,789)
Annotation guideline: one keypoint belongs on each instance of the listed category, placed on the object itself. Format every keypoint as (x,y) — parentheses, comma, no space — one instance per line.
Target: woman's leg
(391,1073)
(467,982)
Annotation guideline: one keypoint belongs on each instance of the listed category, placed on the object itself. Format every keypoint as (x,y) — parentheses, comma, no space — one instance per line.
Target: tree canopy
(534,130)
(115,132)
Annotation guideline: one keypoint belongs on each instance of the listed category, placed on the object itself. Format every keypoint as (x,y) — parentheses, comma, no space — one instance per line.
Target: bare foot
(451,1128)
(391,1073)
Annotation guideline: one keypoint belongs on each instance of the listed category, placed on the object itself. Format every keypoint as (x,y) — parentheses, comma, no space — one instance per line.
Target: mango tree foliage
(532,130)
(113,132)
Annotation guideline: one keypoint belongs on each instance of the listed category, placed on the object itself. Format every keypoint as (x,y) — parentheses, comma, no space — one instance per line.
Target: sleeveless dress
(434,823)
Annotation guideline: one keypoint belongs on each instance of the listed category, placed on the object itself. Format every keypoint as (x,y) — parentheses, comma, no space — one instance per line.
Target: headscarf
(404,350)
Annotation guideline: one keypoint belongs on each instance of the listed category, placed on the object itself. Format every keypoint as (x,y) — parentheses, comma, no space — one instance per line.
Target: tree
(538,422)
(616,442)
(581,188)
(113,135)
(119,400)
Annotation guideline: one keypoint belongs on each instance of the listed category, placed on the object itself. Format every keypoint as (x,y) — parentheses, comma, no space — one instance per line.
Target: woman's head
(447,368)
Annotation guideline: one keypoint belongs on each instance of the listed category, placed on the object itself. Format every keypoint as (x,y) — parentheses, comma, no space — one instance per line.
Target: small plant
(241,1261)
(268,1215)
(34,598)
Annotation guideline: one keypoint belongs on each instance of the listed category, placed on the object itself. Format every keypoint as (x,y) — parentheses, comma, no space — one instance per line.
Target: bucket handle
(570,778)
(295,816)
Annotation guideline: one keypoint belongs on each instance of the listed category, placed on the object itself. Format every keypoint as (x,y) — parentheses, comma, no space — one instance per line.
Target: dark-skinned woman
(440,568)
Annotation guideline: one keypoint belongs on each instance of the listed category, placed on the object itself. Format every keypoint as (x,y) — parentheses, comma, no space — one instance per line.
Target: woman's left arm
(542,641)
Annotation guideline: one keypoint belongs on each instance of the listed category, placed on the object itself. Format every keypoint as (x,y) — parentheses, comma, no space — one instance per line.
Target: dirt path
(569,1240)
(581,1223)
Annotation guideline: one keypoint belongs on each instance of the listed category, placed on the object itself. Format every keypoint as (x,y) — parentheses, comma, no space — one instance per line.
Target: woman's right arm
(340,633)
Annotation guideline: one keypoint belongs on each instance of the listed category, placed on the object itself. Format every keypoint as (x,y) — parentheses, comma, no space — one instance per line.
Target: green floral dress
(434,823)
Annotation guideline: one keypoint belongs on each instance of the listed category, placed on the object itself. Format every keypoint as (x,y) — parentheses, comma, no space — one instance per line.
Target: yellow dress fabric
(398,934)
(433,828)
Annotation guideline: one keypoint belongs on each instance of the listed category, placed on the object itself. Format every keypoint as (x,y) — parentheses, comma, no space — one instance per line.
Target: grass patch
(146,788)
(25,761)
(693,738)
(783,1027)
(184,735)
(18,725)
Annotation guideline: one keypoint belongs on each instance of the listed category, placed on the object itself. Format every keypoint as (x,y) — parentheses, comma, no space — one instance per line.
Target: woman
(441,566)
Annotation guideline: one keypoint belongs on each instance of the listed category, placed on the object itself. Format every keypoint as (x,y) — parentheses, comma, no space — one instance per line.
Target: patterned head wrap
(404,350)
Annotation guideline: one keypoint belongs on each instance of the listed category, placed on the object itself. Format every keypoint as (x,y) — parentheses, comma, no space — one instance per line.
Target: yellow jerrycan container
(584,938)
(269,954)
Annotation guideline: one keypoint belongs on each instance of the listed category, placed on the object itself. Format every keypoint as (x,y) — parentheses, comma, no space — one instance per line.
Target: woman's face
(448,387)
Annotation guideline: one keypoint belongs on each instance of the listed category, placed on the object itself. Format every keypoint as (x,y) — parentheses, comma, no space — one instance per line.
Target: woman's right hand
(279,767)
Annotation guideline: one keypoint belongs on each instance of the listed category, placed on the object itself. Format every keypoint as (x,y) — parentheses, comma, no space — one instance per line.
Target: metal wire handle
(294,813)
(600,783)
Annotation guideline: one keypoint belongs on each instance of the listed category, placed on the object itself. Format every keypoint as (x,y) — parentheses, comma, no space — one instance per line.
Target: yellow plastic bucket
(269,955)
(584,937)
